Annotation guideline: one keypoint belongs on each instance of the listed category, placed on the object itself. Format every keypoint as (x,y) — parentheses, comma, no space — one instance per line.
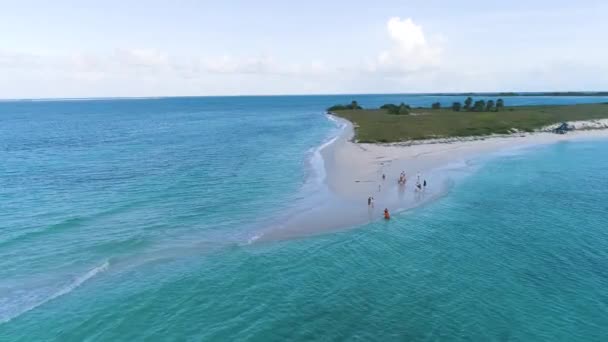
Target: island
(389,153)
(399,122)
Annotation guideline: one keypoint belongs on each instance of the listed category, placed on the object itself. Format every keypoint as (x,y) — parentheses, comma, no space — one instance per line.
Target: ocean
(136,219)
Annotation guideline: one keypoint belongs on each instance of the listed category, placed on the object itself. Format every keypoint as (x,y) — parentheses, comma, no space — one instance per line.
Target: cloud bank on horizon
(393,54)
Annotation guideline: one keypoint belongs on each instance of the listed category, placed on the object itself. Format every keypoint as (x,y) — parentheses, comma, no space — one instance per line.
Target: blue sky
(162,48)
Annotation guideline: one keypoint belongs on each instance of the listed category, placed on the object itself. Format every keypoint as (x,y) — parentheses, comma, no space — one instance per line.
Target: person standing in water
(387,216)
(402,178)
(424,185)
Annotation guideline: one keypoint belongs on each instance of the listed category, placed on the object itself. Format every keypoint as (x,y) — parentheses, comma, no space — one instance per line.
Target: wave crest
(11,308)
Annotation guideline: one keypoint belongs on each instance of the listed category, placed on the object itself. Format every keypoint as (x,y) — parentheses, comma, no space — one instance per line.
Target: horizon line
(590,92)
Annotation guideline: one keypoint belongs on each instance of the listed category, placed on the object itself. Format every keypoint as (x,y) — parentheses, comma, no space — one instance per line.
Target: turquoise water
(130,220)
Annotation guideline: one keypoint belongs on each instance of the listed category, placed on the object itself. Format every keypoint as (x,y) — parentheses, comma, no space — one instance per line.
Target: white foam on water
(311,192)
(254,238)
(12,308)
(316,159)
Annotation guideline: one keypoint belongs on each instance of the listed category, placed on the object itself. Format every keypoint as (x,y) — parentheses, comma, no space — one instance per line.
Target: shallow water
(129,219)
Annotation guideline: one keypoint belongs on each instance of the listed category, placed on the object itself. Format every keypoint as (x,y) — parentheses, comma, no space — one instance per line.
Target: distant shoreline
(542,93)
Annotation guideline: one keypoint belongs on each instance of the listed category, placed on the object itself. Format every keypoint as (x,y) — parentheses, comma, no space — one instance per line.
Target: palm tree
(489,105)
(500,104)
(468,102)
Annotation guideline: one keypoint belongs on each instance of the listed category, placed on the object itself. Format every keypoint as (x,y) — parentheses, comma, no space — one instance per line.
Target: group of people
(402,178)
(420,186)
(370,203)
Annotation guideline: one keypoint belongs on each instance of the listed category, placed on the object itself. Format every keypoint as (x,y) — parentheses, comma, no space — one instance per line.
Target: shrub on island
(489,105)
(479,106)
(467,103)
(401,109)
(500,104)
(351,106)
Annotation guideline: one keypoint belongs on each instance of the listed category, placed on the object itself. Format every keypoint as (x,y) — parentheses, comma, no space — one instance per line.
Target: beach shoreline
(353,173)
(354,169)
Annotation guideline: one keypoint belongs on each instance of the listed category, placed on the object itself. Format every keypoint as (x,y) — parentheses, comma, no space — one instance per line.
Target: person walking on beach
(372,201)
(424,184)
(383,177)
(369,201)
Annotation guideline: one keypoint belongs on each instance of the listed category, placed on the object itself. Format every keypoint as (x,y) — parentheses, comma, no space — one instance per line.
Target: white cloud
(148,58)
(24,60)
(263,65)
(411,50)
(233,65)
(119,61)
(409,54)
(411,61)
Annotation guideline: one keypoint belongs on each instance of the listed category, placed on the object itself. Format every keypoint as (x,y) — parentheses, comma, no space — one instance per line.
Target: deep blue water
(129,219)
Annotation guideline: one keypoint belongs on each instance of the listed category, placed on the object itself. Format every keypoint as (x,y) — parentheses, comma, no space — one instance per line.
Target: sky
(69,49)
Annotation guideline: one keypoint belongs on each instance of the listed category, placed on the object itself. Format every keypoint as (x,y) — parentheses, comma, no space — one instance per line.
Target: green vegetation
(500,104)
(393,109)
(478,106)
(377,125)
(436,105)
(490,105)
(467,103)
(352,106)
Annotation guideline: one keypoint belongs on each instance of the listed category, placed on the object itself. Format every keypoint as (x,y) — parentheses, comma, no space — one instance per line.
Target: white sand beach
(355,170)
(354,173)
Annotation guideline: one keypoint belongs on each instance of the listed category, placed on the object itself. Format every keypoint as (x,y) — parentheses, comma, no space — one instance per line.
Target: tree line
(469,105)
(403,109)
(352,105)
(475,106)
